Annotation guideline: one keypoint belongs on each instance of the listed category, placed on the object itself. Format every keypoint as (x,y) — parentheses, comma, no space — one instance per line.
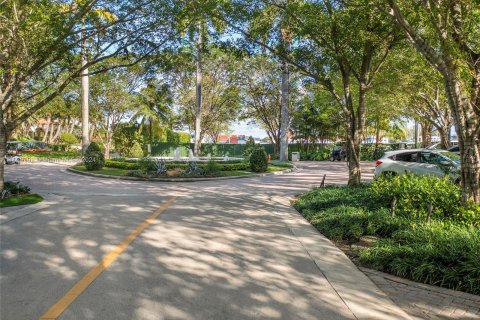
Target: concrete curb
(48,200)
(364,299)
(98,175)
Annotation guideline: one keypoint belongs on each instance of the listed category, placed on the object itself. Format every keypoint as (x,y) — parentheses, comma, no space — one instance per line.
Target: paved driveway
(230,249)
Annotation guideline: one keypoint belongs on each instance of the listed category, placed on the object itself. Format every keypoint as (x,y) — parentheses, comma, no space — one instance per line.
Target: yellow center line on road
(58,308)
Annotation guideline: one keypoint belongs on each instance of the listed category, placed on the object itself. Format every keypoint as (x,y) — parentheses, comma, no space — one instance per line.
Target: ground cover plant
(443,252)
(15,194)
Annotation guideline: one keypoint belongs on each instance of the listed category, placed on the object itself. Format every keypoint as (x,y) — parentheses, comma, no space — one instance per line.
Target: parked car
(454,149)
(338,153)
(11,159)
(419,161)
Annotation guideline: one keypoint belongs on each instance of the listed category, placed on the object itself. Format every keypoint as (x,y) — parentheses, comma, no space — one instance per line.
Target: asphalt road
(229,249)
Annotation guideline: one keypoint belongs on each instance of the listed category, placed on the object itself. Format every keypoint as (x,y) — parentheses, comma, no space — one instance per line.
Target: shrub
(416,193)
(93,157)
(137,165)
(212,169)
(333,196)
(258,160)
(68,139)
(249,147)
(135,151)
(439,253)
(444,253)
(15,187)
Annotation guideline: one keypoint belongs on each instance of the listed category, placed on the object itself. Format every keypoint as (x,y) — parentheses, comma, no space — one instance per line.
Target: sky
(243,127)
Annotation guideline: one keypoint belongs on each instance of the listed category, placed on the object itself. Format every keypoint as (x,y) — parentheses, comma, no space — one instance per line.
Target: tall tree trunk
(92,131)
(468,129)
(73,120)
(463,100)
(3,148)
(107,138)
(57,133)
(285,102)
(198,107)
(84,93)
(47,130)
(444,134)
(426,134)
(377,133)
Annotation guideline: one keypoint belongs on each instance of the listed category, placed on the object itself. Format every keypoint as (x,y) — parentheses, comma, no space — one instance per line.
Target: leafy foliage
(415,194)
(135,151)
(443,253)
(258,160)
(15,188)
(68,138)
(93,157)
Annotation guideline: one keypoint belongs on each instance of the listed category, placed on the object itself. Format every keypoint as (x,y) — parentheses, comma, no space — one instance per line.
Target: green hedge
(414,194)
(171,165)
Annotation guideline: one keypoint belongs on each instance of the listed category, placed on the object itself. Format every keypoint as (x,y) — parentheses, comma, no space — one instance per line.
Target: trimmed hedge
(170,165)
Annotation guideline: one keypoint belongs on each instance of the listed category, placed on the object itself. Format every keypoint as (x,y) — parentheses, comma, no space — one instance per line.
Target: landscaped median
(179,171)
(413,227)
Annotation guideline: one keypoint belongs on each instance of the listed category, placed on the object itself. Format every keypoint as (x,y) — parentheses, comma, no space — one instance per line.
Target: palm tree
(96,15)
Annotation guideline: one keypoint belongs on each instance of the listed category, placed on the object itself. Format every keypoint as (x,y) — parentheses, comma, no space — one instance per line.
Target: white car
(10,159)
(419,161)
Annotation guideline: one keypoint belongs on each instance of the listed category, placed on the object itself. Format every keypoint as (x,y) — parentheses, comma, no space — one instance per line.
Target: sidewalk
(357,291)
(423,301)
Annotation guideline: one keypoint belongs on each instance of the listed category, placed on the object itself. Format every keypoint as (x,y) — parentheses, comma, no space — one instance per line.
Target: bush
(137,165)
(443,253)
(258,160)
(93,157)
(68,139)
(135,151)
(212,169)
(249,147)
(416,193)
(15,187)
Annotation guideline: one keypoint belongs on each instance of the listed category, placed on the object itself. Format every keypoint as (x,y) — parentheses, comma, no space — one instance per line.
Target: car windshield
(452,156)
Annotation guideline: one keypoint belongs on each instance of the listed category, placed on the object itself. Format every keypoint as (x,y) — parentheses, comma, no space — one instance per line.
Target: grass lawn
(20,200)
(232,173)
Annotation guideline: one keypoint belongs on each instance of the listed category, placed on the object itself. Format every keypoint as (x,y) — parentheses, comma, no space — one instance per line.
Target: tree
(261,83)
(113,101)
(49,51)
(446,33)
(220,94)
(419,90)
(316,118)
(342,46)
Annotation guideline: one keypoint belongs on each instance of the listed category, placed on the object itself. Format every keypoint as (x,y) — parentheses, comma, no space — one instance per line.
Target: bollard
(429,213)
(394,205)
(323,180)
